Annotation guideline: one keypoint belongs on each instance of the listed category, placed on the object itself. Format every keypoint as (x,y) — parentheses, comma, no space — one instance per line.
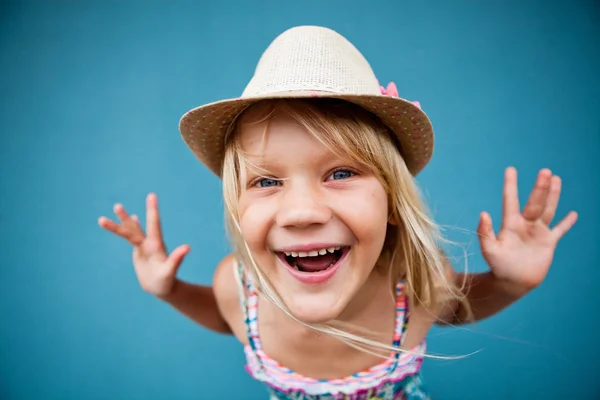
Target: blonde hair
(411,249)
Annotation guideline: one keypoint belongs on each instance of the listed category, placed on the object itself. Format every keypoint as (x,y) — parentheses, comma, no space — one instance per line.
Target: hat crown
(311,58)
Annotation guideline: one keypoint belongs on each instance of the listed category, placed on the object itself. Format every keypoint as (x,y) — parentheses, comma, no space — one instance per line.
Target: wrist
(510,287)
(172,294)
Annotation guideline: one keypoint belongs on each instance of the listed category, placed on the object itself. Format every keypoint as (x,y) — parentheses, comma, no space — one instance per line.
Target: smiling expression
(314,222)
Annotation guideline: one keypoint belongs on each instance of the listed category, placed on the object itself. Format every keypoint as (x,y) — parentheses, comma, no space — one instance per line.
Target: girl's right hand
(156,270)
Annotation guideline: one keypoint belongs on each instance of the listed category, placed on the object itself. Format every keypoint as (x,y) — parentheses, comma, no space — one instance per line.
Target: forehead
(277,132)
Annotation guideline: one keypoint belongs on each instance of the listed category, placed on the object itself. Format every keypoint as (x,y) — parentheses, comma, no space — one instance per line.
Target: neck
(375,301)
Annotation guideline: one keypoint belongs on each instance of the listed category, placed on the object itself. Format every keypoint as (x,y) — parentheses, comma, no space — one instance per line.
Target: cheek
(380,199)
(376,227)
(372,212)
(254,223)
(371,223)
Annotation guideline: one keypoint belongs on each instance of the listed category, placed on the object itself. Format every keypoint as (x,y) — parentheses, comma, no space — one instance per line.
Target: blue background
(91,95)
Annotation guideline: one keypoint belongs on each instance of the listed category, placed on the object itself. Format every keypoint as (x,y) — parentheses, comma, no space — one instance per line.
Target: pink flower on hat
(392,91)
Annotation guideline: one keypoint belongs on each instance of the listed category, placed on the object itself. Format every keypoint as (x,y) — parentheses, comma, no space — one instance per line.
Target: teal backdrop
(91,93)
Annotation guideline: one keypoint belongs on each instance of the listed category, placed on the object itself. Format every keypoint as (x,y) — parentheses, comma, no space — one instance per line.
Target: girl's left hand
(523,250)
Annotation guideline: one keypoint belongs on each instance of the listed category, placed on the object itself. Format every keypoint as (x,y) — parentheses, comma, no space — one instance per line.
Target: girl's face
(315,223)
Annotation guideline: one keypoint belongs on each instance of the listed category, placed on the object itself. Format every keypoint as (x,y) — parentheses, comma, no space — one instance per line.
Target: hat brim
(203,128)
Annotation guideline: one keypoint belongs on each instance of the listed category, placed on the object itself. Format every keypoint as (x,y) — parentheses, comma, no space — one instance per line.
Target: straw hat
(305,62)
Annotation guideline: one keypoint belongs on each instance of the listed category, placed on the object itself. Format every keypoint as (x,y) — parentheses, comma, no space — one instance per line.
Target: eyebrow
(258,166)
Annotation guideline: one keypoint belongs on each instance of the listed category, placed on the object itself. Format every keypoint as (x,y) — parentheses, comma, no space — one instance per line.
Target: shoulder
(423,318)
(224,282)
(224,273)
(225,288)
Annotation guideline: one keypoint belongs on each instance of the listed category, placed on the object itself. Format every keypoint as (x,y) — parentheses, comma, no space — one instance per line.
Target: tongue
(314,264)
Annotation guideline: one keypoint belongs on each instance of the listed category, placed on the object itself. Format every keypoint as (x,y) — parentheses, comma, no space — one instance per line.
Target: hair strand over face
(412,246)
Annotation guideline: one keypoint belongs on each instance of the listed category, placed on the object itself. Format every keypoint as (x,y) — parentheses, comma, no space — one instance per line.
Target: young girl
(333,247)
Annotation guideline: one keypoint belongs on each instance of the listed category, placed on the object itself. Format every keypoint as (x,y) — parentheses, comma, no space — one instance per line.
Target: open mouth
(316,260)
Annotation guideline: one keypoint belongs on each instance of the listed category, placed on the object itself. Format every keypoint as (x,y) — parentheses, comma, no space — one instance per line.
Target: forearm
(486,296)
(198,303)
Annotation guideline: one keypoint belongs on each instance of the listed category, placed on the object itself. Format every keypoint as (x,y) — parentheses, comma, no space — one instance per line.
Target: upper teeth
(312,253)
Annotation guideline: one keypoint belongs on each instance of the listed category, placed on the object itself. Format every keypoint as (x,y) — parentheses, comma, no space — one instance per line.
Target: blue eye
(267,182)
(342,174)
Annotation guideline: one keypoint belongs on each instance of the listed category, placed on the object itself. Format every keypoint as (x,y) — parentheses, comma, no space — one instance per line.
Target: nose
(301,206)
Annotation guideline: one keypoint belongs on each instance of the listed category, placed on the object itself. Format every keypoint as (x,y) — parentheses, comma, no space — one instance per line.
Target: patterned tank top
(398,377)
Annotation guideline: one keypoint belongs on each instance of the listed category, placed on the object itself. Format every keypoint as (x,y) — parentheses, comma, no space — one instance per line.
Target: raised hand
(524,248)
(156,270)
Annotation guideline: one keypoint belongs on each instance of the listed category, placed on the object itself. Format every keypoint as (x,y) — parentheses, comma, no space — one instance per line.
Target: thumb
(487,237)
(176,257)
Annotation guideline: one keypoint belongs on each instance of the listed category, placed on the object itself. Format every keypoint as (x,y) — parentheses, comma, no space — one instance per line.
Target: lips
(313,265)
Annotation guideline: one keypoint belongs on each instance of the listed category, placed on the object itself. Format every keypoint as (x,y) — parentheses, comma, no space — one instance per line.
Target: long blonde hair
(412,244)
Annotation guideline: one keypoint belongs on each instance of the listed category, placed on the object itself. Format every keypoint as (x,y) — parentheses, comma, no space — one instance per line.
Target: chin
(315,308)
